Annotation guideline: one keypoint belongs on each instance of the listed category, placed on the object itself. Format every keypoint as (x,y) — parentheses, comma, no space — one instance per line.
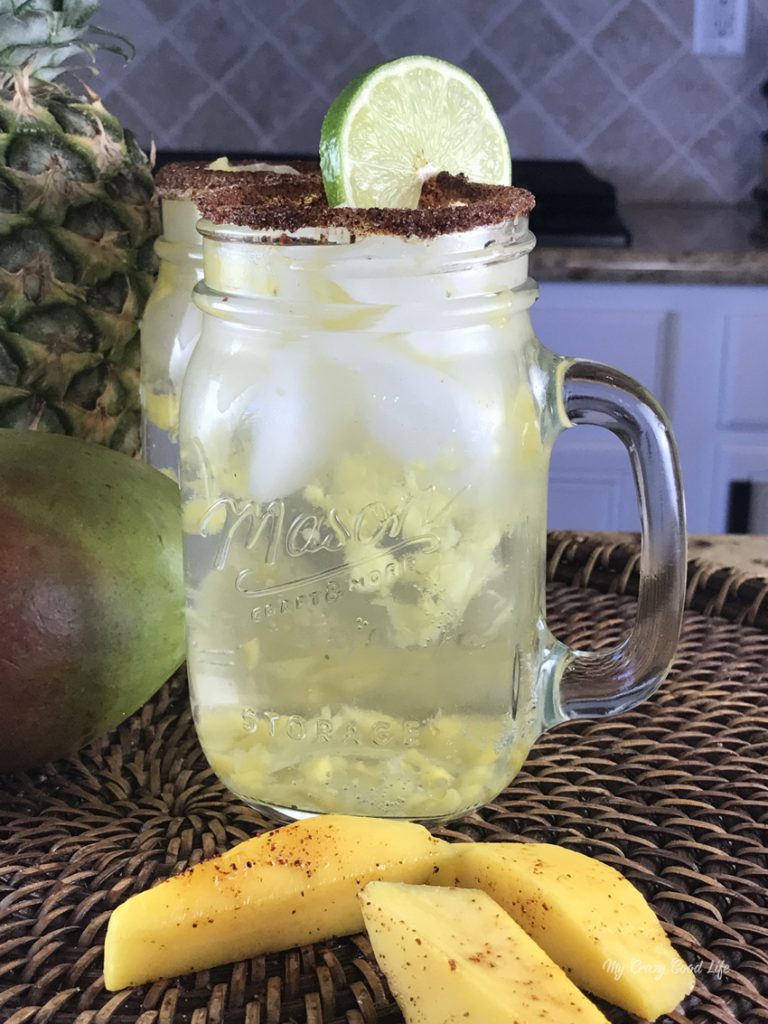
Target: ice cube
(293,417)
(423,412)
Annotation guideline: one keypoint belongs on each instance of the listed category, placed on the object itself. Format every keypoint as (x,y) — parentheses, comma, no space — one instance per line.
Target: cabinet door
(744,388)
(591,485)
(632,340)
(722,403)
(702,350)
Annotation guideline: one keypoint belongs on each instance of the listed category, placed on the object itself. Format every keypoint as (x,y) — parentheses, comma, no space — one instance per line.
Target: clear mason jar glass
(172,322)
(365,431)
(170,328)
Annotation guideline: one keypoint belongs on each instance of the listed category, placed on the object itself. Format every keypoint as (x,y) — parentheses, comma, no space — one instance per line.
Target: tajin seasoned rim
(188,180)
(288,203)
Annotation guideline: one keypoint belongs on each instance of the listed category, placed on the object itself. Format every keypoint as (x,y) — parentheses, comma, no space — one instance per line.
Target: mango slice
(293,886)
(454,956)
(589,918)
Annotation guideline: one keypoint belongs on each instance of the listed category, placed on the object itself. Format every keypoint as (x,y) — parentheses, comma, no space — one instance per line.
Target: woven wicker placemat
(674,794)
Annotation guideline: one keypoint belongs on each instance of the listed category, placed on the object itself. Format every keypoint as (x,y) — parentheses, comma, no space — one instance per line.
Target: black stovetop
(573,207)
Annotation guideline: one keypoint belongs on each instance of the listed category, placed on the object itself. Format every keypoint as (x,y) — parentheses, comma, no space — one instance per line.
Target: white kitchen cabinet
(703,352)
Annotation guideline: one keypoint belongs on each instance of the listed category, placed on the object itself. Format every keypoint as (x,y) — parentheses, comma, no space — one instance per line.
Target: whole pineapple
(78,218)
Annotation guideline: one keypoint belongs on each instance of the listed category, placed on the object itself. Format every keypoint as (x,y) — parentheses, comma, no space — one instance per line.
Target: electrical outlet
(719,27)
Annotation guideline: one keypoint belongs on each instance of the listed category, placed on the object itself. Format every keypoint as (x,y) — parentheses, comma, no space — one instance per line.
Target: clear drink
(366,426)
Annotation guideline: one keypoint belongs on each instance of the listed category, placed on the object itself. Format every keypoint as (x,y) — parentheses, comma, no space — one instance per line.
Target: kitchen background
(614,84)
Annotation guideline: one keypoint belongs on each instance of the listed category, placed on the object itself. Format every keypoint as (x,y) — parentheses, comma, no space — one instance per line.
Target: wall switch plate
(719,27)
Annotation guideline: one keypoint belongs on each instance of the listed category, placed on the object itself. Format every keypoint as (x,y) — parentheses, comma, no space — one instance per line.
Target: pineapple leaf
(124,48)
(36,57)
(40,35)
(76,11)
(18,6)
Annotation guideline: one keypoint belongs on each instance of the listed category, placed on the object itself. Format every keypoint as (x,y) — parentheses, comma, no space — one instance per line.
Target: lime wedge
(402,122)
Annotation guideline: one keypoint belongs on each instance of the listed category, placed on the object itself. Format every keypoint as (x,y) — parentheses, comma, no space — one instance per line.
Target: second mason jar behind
(171,323)
(170,328)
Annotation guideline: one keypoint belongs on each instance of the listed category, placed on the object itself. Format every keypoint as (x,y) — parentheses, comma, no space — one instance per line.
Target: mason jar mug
(365,435)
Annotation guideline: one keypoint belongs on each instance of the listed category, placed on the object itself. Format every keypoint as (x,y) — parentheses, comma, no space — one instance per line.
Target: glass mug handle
(589,684)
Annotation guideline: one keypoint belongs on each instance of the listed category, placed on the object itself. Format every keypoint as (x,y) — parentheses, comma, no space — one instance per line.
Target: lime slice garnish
(402,122)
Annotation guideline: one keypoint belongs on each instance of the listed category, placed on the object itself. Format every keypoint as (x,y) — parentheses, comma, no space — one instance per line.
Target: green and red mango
(91,597)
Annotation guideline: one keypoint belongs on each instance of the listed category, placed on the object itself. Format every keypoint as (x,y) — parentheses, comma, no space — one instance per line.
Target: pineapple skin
(78,219)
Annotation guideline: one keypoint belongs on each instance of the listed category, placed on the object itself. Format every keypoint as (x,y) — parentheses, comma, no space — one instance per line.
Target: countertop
(671,244)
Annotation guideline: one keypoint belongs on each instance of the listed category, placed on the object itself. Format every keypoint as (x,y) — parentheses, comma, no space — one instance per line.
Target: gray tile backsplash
(611,82)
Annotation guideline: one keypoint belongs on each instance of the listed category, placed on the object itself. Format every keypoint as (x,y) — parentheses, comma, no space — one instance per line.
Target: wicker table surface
(674,794)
